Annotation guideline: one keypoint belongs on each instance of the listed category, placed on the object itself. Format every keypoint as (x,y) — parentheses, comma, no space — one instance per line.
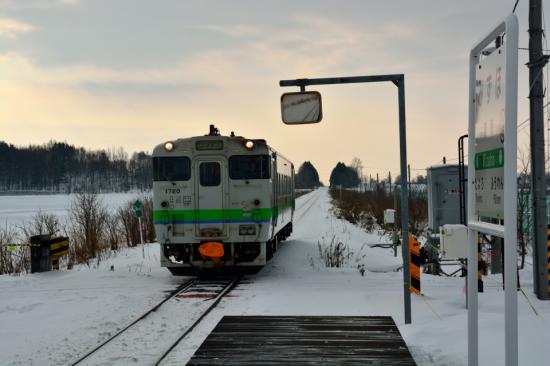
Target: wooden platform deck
(304,340)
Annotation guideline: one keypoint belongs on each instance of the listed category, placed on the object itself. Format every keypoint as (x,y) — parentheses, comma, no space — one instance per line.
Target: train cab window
(249,167)
(171,168)
(210,174)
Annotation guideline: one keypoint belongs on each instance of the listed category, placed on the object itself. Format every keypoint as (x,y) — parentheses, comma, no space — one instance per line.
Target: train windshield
(249,167)
(171,168)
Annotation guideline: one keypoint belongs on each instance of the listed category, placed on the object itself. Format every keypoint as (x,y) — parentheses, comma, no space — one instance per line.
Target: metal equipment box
(389,216)
(444,195)
(454,241)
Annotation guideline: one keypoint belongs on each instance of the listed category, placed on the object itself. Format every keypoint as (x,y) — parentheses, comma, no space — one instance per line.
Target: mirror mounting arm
(398,80)
(302,84)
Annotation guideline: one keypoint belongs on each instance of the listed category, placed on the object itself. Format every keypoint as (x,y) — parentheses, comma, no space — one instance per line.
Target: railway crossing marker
(492,183)
(305,107)
(58,247)
(414,248)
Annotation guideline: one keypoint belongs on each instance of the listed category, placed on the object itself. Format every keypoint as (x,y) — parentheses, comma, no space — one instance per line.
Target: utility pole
(537,61)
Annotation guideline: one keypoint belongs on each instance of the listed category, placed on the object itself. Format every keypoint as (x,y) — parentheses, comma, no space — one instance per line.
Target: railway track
(307,205)
(230,285)
(203,293)
(146,337)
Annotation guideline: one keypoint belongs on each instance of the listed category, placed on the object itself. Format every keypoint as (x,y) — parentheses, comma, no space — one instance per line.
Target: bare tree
(41,223)
(357,165)
(524,199)
(12,261)
(88,220)
(114,231)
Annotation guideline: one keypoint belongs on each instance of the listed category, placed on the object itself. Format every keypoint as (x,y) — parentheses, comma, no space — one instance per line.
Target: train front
(212,202)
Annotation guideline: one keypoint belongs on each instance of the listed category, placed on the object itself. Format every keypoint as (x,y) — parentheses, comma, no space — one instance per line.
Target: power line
(528,119)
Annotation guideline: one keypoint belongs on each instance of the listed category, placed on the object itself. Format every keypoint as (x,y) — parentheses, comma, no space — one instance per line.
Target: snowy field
(51,318)
(14,210)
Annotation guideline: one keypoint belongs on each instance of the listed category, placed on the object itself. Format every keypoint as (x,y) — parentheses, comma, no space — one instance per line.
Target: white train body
(215,189)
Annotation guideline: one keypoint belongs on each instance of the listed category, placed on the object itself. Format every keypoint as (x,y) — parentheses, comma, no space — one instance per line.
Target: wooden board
(304,340)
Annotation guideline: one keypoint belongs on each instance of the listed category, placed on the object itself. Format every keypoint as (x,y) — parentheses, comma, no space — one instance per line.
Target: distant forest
(60,167)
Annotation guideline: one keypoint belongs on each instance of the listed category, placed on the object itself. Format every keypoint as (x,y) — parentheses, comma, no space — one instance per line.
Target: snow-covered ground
(16,209)
(50,318)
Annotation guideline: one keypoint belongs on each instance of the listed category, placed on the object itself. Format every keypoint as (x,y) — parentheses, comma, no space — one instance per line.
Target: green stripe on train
(213,215)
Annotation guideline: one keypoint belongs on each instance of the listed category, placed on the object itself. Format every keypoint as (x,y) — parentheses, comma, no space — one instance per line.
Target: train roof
(189,144)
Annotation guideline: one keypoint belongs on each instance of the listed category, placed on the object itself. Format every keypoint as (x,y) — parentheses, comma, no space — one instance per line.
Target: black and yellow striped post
(59,246)
(414,265)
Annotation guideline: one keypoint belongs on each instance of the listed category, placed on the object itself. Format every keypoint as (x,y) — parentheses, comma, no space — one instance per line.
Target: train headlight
(249,144)
(169,146)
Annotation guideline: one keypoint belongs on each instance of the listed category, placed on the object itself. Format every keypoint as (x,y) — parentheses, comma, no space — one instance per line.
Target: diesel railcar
(220,201)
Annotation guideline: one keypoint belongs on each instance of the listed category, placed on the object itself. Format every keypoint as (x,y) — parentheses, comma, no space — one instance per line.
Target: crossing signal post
(138,212)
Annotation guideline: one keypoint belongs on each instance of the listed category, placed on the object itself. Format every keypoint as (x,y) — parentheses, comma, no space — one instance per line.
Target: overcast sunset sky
(134,73)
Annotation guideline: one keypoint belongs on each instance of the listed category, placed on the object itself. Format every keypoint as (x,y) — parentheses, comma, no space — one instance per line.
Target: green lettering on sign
(490,159)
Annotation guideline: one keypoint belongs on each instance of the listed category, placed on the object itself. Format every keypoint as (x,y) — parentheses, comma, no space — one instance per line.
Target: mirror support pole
(404,199)
(399,81)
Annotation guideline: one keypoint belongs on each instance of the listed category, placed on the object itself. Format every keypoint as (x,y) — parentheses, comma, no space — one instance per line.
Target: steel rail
(303,209)
(230,286)
(178,290)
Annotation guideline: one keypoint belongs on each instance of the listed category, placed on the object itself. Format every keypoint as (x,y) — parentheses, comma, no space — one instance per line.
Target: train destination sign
(489,135)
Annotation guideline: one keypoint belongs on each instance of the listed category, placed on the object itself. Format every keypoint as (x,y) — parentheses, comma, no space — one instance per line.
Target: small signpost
(138,212)
(492,152)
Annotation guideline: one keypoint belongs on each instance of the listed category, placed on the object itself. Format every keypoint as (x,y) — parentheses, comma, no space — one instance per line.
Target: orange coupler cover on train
(212,250)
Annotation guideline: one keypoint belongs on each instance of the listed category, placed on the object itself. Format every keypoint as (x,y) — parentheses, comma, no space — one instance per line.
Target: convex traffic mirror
(301,108)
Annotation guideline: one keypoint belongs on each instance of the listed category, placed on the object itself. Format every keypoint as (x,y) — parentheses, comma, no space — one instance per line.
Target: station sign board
(490,103)
(492,173)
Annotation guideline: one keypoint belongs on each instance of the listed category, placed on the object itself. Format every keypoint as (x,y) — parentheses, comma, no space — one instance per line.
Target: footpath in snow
(50,318)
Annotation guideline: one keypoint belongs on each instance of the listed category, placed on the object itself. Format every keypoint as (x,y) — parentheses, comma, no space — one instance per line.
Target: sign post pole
(141,238)
(139,213)
(492,170)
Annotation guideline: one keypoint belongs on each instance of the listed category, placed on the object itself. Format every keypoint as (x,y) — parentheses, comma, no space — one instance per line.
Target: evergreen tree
(343,175)
(307,176)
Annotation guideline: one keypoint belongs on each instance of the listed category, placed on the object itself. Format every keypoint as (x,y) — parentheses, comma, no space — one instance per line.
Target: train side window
(210,174)
(249,167)
(286,184)
(171,168)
